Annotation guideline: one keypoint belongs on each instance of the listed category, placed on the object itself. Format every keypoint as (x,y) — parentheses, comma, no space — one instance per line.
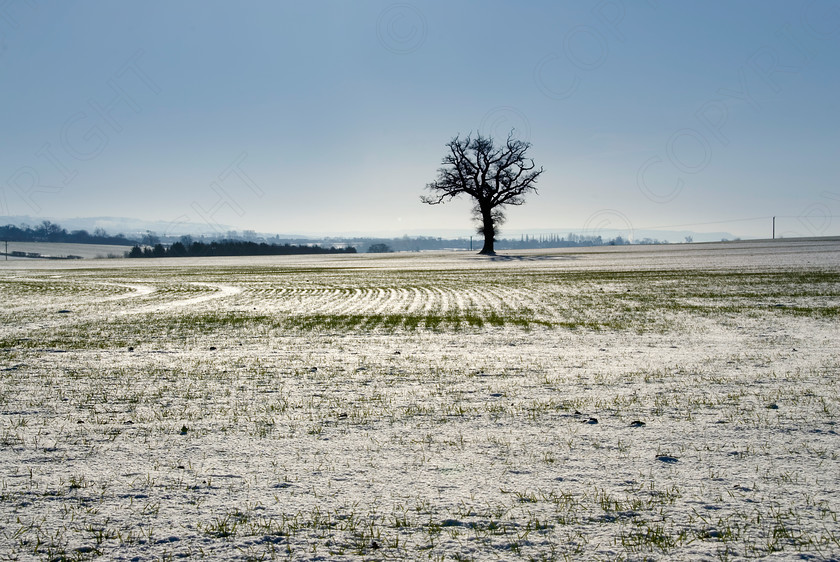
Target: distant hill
(129,227)
(48,231)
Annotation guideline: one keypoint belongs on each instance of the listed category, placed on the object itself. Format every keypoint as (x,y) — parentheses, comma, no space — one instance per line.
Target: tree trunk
(489,231)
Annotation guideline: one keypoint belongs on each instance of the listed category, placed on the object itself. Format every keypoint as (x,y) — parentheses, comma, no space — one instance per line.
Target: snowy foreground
(673,402)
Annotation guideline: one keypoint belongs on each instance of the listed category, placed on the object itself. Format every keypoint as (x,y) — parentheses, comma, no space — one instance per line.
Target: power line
(700,223)
(728,221)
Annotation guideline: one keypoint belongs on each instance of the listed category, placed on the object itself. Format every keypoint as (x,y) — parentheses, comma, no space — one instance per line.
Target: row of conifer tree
(230,248)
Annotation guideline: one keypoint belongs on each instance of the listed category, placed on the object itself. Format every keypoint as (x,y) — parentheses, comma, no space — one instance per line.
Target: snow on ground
(62,250)
(669,402)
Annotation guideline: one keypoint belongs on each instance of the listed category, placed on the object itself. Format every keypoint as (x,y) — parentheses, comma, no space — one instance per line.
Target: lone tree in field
(493,176)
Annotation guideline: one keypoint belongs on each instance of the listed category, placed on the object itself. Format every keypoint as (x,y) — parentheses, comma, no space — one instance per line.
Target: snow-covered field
(668,402)
(60,250)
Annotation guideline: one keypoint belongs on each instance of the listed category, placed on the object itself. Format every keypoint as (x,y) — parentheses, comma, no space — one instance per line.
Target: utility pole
(774,228)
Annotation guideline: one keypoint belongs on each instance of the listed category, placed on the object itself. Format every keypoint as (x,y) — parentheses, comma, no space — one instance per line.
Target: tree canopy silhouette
(494,176)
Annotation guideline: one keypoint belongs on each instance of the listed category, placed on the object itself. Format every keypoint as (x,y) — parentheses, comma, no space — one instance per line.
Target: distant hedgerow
(231,248)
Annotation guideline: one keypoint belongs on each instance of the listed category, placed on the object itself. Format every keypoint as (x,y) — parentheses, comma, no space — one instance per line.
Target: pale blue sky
(336,113)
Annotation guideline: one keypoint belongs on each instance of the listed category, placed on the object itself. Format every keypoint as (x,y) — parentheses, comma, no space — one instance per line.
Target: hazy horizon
(134,228)
(331,117)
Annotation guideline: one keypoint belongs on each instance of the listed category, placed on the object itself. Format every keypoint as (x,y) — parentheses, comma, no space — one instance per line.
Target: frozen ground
(673,402)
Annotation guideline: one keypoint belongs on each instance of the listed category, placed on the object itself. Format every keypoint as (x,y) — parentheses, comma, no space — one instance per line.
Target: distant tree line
(426,243)
(51,232)
(379,248)
(230,248)
(571,240)
(149,244)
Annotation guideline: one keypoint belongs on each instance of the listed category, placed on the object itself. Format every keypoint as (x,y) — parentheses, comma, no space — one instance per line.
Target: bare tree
(493,176)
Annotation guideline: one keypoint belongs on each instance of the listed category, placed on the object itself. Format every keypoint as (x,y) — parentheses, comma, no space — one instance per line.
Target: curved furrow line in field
(429,300)
(293,291)
(221,291)
(474,299)
(377,301)
(358,302)
(498,299)
(513,299)
(378,298)
(36,291)
(305,291)
(302,302)
(351,300)
(330,301)
(355,301)
(384,301)
(318,291)
(537,303)
(251,293)
(543,303)
(393,301)
(268,297)
(77,307)
(414,299)
(534,299)
(276,297)
(371,301)
(306,300)
(459,300)
(406,301)
(136,291)
(444,295)
(267,291)
(81,296)
(323,301)
(409,299)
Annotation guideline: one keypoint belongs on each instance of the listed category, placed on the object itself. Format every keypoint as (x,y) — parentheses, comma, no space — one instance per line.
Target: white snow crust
(663,402)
